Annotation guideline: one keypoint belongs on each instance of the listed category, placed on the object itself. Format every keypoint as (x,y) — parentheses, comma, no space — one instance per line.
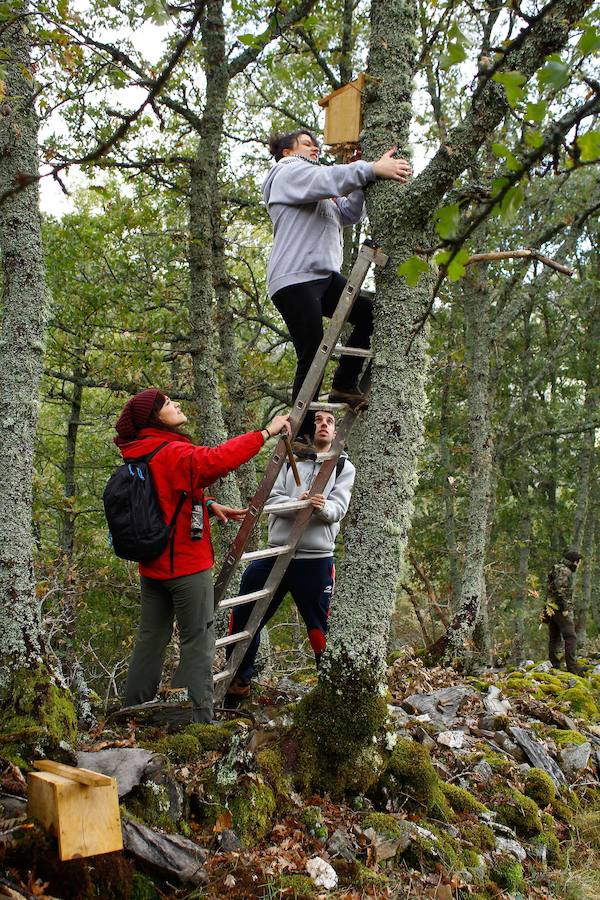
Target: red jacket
(183,466)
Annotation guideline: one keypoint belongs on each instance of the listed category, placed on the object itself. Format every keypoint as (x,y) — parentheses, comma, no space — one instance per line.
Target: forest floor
(494,793)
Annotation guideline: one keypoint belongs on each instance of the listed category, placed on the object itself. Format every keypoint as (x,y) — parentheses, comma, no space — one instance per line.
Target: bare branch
(103,148)
(519,254)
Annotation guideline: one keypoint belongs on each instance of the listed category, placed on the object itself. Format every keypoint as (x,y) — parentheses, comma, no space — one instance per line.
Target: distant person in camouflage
(558,611)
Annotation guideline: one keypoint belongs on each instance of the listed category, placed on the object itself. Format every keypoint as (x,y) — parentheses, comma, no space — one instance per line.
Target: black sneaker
(304,448)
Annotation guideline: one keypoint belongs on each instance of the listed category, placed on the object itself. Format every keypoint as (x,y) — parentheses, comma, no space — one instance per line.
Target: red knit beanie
(137,412)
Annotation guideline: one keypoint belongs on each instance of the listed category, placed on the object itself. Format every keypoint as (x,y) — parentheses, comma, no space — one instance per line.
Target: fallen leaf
(225,820)
(229,881)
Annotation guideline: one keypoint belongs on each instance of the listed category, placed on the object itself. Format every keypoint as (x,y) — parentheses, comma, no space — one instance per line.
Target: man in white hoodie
(309,205)
(310,575)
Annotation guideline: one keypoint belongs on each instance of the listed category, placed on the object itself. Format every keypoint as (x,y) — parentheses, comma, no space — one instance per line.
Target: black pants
(561,628)
(309,581)
(302,307)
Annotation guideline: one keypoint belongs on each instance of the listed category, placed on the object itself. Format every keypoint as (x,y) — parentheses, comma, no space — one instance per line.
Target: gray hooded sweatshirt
(319,535)
(309,205)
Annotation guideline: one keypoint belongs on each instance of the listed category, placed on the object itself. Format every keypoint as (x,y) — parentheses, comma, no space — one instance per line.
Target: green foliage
(412,268)
(513,83)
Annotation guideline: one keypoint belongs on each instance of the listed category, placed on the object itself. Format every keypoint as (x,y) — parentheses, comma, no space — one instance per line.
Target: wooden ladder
(368,255)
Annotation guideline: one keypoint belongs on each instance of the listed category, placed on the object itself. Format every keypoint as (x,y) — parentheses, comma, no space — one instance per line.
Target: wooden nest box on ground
(343,113)
(80,807)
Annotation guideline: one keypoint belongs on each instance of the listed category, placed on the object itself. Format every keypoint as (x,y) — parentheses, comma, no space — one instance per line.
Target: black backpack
(137,530)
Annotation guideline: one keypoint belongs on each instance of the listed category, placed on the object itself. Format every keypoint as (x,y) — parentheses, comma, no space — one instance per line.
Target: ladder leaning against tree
(368,254)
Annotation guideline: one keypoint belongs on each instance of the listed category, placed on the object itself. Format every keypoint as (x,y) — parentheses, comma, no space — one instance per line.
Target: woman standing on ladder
(309,205)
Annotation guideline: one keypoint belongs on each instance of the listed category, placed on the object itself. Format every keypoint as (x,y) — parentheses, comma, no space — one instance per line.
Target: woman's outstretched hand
(389,167)
(277,424)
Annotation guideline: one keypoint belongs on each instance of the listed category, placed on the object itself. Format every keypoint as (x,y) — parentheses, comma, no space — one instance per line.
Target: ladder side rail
(367,255)
(282,562)
(273,581)
(360,269)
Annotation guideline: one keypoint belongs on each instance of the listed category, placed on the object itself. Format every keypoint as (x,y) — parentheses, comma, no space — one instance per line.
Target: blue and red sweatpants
(309,581)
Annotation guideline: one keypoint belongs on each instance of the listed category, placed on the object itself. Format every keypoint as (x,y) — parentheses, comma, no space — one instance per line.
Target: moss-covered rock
(252,807)
(271,763)
(477,835)
(211,737)
(461,800)
(499,764)
(564,736)
(383,824)
(312,819)
(507,873)
(562,811)
(429,851)
(555,857)
(180,748)
(410,776)
(517,811)
(38,712)
(539,787)
(150,803)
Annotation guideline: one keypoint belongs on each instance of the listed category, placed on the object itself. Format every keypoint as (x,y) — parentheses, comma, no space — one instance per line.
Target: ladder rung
(232,638)
(219,676)
(352,351)
(286,507)
(244,598)
(264,554)
(321,457)
(328,407)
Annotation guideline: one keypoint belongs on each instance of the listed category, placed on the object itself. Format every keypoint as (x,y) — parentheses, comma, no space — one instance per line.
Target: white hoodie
(319,535)
(309,205)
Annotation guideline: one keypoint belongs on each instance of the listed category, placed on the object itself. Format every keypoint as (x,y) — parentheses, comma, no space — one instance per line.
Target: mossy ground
(576,695)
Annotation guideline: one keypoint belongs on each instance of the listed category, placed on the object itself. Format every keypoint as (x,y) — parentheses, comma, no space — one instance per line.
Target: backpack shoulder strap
(155,451)
(338,467)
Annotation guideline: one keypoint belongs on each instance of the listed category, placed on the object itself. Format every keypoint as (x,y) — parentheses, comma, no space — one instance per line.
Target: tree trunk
(235,411)
(472,592)
(346,709)
(389,441)
(448,490)
(204,204)
(587,550)
(70,489)
(26,689)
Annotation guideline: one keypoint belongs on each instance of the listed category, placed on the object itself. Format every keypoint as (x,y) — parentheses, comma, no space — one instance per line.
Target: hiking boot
(353,397)
(304,448)
(239,689)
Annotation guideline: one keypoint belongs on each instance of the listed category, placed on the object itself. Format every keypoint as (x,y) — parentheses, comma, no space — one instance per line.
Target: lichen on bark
(24,317)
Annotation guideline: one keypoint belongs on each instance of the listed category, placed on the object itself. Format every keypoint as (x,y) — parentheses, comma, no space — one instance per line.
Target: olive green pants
(189,599)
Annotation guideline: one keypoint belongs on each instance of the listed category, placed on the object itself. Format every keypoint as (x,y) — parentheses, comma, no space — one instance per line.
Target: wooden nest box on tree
(343,115)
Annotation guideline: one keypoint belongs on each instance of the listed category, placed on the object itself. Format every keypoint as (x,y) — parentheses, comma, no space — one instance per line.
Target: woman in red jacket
(178,583)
